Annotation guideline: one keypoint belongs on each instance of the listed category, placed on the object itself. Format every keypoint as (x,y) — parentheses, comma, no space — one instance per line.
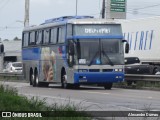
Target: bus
(74,51)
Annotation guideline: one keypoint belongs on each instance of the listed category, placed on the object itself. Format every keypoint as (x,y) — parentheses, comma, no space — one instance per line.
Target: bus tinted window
(54,35)
(25,39)
(32,38)
(46,36)
(39,37)
(61,35)
(69,30)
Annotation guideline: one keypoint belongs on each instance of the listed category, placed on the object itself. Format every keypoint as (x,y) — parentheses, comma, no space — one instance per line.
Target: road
(94,98)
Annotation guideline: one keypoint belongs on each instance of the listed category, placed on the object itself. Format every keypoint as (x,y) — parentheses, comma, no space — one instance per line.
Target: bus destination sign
(97,31)
(94,30)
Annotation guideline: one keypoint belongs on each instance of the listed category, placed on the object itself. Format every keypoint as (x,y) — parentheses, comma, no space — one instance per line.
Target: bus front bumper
(97,78)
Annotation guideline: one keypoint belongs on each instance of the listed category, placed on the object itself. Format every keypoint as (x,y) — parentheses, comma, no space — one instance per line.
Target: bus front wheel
(64,83)
(108,86)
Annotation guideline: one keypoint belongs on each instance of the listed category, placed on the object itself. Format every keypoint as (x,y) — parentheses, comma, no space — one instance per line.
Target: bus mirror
(127,48)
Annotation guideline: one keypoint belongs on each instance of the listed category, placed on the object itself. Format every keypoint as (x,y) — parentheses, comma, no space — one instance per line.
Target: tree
(16,39)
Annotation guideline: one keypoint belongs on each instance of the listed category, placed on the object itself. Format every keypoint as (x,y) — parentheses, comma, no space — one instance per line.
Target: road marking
(96,92)
(129,96)
(150,97)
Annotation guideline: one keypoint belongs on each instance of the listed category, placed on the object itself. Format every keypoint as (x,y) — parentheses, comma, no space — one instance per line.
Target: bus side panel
(48,64)
(30,57)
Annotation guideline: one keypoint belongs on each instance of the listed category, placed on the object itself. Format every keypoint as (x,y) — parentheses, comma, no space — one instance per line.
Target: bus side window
(54,35)
(32,38)
(61,35)
(25,39)
(39,37)
(46,36)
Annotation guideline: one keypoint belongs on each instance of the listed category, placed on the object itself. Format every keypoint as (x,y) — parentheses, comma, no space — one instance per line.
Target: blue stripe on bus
(31,54)
(93,77)
(96,37)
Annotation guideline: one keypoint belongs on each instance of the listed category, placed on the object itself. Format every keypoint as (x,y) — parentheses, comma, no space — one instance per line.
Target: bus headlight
(118,70)
(82,70)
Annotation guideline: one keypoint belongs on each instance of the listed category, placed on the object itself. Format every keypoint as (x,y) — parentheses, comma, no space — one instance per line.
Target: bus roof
(71,20)
(65,18)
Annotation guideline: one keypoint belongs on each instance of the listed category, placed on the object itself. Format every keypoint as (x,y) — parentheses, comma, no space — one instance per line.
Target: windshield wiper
(93,58)
(108,59)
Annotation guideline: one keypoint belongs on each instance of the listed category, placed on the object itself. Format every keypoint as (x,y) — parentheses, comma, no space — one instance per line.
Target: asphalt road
(94,98)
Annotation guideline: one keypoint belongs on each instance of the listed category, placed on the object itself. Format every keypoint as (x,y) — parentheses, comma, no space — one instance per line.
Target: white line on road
(96,92)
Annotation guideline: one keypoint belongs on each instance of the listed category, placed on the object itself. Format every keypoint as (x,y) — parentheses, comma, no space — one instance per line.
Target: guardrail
(135,77)
(128,77)
(10,76)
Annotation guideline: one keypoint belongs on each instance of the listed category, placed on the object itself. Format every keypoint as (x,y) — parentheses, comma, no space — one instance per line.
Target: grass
(139,85)
(11,101)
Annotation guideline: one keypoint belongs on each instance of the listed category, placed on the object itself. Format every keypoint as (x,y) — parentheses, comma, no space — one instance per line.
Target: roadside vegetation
(11,101)
(139,85)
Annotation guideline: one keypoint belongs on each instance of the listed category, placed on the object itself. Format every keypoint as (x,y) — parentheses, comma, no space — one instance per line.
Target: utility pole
(103,9)
(26,18)
(107,9)
(76,7)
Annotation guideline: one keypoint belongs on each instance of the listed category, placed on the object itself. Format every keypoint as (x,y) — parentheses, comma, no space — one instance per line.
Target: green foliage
(11,101)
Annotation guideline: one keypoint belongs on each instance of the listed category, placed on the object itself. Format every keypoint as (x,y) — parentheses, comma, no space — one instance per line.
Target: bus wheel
(108,86)
(36,80)
(31,78)
(64,83)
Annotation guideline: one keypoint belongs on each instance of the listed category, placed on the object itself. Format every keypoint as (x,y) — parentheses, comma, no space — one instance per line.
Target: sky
(12,12)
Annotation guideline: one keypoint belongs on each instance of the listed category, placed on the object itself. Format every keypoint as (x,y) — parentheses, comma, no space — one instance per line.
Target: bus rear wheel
(108,86)
(36,82)
(31,78)
(39,84)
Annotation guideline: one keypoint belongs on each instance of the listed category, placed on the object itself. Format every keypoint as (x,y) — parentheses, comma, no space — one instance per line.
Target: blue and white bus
(74,51)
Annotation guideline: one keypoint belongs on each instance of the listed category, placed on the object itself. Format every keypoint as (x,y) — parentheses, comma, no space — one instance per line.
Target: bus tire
(31,77)
(108,86)
(64,83)
(36,80)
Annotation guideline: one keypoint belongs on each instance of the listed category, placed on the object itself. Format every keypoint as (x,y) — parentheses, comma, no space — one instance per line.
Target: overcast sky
(12,12)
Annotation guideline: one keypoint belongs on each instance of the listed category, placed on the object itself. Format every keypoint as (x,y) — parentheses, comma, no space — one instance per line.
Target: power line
(4,4)
(148,7)
(143,13)
(11,27)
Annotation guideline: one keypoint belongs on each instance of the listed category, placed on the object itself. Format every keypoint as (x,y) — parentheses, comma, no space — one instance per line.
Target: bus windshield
(99,51)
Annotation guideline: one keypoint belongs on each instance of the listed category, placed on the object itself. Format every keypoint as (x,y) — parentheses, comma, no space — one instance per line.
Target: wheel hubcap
(37,80)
